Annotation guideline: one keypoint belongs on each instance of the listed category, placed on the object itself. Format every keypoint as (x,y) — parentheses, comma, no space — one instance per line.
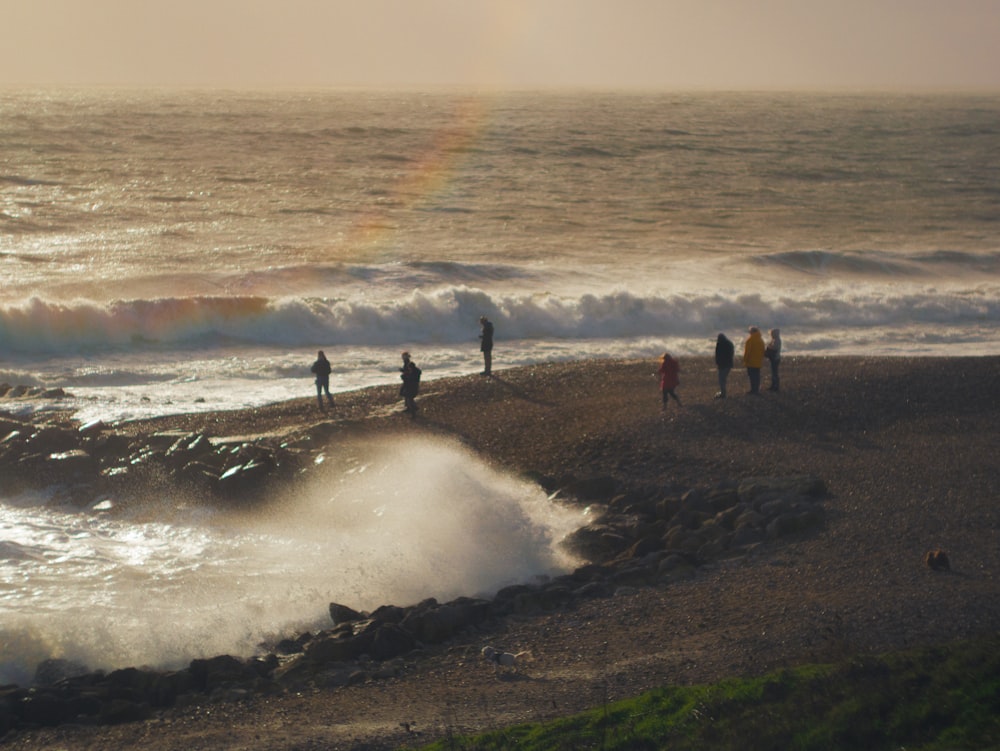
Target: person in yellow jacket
(753,358)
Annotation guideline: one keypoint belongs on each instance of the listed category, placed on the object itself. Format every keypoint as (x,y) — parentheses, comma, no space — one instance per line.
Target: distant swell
(448,316)
(875,264)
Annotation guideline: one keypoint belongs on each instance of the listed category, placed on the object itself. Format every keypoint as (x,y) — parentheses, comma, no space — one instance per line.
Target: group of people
(409,373)
(755,351)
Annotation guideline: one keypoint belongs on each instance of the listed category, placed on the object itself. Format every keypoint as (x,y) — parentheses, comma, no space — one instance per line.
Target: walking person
(753,358)
(725,353)
(773,353)
(322,369)
(486,344)
(670,378)
(410,375)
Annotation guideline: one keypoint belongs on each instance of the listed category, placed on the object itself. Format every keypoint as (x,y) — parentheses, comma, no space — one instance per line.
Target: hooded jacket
(753,350)
(669,373)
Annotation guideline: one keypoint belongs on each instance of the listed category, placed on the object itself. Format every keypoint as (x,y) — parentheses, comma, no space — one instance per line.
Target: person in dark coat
(725,353)
(486,345)
(410,375)
(322,369)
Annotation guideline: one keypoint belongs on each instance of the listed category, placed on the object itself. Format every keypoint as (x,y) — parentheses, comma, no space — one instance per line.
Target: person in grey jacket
(773,353)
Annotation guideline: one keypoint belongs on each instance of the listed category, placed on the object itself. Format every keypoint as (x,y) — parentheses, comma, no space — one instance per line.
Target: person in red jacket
(670,378)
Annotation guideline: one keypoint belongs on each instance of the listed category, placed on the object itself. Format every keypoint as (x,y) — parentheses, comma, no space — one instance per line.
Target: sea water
(175,251)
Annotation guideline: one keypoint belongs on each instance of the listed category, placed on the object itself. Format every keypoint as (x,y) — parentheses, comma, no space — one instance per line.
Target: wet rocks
(85,463)
(702,524)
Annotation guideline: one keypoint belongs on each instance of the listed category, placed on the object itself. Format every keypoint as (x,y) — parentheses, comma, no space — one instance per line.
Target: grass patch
(934,699)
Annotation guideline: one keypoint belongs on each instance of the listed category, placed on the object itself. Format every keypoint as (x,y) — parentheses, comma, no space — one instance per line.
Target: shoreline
(904,446)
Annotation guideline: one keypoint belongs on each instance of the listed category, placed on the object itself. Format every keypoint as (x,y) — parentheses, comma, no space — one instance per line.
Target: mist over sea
(173,251)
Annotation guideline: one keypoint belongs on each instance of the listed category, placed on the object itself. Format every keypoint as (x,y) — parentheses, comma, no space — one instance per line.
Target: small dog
(501,659)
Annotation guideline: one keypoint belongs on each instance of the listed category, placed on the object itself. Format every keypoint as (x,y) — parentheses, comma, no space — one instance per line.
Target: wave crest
(449,315)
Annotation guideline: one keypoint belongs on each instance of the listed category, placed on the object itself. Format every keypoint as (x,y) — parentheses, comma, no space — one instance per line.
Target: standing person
(725,353)
(753,358)
(410,374)
(773,353)
(670,378)
(486,347)
(322,369)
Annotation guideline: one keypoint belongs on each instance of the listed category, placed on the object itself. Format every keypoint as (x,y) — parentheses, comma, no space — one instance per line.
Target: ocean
(173,251)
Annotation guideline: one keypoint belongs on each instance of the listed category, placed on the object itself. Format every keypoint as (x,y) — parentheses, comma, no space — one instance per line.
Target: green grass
(934,699)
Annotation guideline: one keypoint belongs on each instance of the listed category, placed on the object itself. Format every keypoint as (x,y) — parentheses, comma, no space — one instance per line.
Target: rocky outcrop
(634,539)
(700,525)
(84,464)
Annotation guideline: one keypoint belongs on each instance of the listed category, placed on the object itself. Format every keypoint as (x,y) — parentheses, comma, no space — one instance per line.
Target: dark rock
(12,425)
(746,535)
(43,708)
(596,542)
(437,624)
(118,711)
(218,671)
(92,428)
(388,614)
(640,549)
(51,671)
(328,648)
(543,599)
(52,439)
(343,614)
(391,640)
(167,687)
(593,589)
(71,465)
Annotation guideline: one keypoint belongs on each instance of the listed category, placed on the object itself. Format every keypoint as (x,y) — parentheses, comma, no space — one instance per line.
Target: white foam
(391,522)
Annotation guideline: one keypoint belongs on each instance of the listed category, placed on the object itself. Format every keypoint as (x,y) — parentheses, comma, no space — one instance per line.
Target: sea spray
(382,522)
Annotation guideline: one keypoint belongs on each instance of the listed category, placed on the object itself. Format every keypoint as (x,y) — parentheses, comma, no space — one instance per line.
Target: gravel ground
(906,446)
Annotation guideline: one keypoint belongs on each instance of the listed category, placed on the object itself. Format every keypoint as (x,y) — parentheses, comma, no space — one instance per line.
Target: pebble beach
(906,448)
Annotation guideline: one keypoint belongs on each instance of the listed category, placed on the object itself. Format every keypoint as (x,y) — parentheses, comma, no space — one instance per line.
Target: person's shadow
(519,391)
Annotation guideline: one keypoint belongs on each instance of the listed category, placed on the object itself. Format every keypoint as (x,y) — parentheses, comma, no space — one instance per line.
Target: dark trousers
(754,375)
(323,384)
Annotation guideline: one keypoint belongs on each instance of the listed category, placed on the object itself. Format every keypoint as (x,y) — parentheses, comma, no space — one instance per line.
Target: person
(773,353)
(725,352)
(753,358)
(322,369)
(486,346)
(410,374)
(670,378)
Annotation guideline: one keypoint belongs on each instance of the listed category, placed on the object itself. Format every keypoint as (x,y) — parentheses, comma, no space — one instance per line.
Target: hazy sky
(871,44)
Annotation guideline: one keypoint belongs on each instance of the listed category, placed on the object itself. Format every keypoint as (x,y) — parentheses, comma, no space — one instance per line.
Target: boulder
(328,648)
(75,464)
(343,614)
(391,640)
(596,542)
(53,439)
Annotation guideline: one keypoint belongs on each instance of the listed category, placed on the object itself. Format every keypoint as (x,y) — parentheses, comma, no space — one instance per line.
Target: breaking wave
(448,316)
